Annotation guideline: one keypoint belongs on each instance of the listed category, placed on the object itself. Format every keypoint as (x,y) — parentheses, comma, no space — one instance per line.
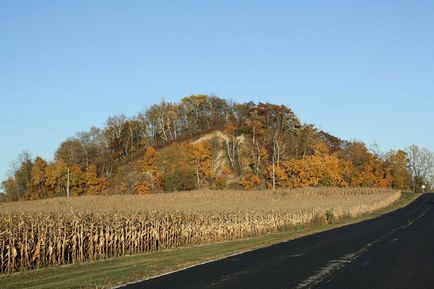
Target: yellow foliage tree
(56,178)
(312,170)
(177,168)
(77,180)
(201,155)
(148,165)
(397,161)
(39,178)
(94,184)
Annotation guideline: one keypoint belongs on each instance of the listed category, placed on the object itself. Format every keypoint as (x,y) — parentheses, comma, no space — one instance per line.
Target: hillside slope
(203,142)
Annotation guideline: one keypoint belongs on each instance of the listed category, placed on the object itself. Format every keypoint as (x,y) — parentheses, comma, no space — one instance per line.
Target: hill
(203,142)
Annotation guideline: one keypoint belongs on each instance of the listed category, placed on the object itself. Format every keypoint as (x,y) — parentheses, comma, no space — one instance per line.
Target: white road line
(335,265)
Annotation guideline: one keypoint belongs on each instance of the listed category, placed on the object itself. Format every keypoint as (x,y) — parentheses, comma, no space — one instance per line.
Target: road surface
(392,251)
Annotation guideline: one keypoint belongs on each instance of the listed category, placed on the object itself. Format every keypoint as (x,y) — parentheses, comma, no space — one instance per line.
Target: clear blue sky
(359,69)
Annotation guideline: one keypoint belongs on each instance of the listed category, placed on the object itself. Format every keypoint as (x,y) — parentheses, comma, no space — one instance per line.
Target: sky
(362,70)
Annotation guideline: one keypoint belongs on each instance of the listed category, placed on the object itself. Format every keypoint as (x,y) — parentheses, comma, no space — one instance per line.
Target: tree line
(261,145)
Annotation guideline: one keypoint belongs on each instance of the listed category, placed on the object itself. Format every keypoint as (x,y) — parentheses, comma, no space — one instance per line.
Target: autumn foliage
(250,182)
(204,142)
(311,171)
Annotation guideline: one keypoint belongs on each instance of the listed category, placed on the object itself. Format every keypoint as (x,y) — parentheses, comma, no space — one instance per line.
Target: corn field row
(37,240)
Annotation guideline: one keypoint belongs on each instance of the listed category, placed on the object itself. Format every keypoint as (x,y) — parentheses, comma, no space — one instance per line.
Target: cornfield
(37,234)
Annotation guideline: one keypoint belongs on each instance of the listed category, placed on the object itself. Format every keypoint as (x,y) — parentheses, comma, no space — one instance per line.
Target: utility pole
(274,174)
(67,185)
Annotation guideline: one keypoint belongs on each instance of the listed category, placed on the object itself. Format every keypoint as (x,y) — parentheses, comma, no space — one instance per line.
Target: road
(392,251)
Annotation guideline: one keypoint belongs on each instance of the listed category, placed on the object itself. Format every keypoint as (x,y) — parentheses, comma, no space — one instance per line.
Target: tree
(201,156)
(249,182)
(163,121)
(97,151)
(3,196)
(220,111)
(9,189)
(72,152)
(231,143)
(57,178)
(278,151)
(256,124)
(421,165)
(195,110)
(356,153)
(19,183)
(362,168)
(306,140)
(77,180)
(94,184)
(61,177)
(313,171)
(375,173)
(148,165)
(177,168)
(398,163)
(117,136)
(39,178)
(91,144)
(142,187)
(334,143)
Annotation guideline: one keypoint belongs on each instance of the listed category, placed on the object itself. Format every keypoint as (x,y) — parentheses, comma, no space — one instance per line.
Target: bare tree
(278,151)
(117,135)
(115,126)
(421,165)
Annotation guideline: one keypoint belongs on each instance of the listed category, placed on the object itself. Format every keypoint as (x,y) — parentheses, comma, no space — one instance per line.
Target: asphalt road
(392,251)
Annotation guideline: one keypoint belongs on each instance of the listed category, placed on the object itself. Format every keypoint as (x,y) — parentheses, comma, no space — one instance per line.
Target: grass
(116,271)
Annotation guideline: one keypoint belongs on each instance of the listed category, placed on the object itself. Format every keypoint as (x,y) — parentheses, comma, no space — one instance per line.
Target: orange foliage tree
(250,182)
(142,187)
(362,168)
(311,171)
(375,173)
(201,155)
(401,177)
(94,184)
(265,145)
(148,165)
